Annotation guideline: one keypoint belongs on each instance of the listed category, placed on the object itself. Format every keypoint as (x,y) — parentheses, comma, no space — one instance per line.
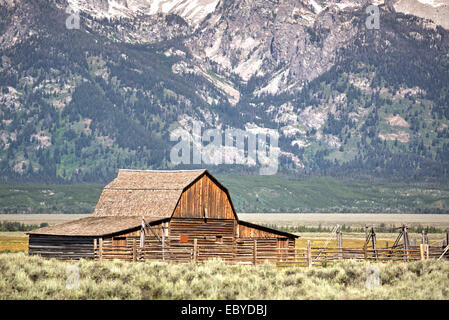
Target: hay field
(18,240)
(13,243)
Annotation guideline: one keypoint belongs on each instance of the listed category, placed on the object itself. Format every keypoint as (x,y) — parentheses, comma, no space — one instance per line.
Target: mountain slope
(346,100)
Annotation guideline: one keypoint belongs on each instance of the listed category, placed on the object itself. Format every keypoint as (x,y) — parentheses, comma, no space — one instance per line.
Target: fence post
(427,251)
(95,249)
(406,241)
(163,243)
(101,249)
(309,254)
(255,251)
(339,244)
(421,251)
(195,250)
(447,237)
(134,250)
(365,251)
(374,241)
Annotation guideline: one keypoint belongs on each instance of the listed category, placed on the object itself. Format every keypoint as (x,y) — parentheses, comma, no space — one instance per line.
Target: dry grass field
(18,241)
(13,243)
(349,219)
(32,277)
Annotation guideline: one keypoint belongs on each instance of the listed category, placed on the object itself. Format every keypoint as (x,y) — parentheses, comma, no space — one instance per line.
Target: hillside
(75,104)
(256,194)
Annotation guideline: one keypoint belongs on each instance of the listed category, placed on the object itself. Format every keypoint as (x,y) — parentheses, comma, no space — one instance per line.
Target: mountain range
(88,86)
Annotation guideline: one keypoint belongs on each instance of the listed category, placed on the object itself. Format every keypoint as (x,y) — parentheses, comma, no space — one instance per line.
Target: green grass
(31,277)
(49,198)
(256,194)
(326,194)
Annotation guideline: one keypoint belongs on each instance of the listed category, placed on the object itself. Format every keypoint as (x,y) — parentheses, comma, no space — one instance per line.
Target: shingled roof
(144,192)
(94,226)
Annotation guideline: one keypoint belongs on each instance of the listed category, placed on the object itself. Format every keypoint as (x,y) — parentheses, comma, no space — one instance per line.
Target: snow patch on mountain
(193,11)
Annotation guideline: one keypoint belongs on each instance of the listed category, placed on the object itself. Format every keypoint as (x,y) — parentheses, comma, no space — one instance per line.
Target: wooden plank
(101,248)
(195,250)
(134,250)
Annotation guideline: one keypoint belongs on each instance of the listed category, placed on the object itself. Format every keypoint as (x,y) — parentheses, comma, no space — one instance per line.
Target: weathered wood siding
(252,232)
(204,199)
(215,238)
(61,247)
(201,227)
(156,227)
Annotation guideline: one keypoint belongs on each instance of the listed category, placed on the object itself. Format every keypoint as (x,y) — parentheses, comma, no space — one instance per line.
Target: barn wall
(204,199)
(201,227)
(156,227)
(215,238)
(123,239)
(251,232)
(61,247)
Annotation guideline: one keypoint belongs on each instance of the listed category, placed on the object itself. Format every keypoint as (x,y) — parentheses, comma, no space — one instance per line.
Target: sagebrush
(32,277)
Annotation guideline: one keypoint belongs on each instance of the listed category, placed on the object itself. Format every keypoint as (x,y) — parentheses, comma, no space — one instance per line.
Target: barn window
(183,238)
(219,239)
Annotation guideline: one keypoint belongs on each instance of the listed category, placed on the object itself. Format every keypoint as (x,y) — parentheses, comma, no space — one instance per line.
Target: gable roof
(145,192)
(95,226)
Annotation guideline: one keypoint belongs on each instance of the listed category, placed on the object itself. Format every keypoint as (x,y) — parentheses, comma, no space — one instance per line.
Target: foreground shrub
(31,277)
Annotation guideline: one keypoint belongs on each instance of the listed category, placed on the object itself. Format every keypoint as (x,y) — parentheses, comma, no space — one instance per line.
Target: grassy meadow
(268,194)
(32,277)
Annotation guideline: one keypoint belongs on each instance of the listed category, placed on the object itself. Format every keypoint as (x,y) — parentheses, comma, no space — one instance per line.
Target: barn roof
(144,192)
(281,233)
(94,226)
(133,194)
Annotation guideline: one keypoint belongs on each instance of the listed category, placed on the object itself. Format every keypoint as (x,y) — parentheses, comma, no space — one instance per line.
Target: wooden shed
(168,215)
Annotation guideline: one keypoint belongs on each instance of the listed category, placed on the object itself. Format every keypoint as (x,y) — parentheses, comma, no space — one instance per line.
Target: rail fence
(255,252)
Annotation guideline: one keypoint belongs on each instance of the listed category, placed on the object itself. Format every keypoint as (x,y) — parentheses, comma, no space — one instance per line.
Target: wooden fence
(131,251)
(319,256)
(250,251)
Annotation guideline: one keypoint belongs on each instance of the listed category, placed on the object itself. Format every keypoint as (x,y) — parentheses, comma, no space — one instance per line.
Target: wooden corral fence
(320,256)
(246,250)
(256,251)
(399,252)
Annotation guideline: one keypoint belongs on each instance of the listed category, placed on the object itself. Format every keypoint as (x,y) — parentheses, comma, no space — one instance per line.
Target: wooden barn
(163,215)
